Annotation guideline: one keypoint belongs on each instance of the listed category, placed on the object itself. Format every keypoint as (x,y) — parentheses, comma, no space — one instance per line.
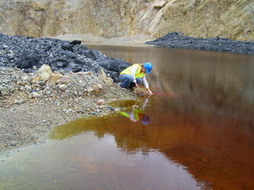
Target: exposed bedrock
(148,19)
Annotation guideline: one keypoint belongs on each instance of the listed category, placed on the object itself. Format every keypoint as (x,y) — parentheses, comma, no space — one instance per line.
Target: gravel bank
(28,111)
(48,82)
(178,40)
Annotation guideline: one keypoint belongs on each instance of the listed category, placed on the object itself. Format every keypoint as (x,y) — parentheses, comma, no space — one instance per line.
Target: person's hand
(150,92)
(135,106)
(136,84)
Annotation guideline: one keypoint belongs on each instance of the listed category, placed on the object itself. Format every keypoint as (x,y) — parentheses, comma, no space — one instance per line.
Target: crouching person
(135,74)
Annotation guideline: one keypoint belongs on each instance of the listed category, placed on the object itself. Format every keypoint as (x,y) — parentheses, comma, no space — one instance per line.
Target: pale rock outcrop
(102,75)
(232,19)
(54,78)
(42,74)
(45,75)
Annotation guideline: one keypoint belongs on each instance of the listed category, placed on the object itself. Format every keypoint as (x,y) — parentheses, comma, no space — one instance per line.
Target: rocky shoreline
(178,40)
(47,82)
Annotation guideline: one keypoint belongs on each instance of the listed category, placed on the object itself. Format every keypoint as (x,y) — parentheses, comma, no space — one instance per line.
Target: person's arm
(133,71)
(147,85)
(145,102)
(132,115)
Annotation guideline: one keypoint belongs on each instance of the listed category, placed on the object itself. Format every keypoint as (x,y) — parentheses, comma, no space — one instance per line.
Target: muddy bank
(48,82)
(178,40)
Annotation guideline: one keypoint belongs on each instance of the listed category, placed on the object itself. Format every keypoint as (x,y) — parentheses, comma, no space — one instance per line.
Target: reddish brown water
(202,111)
(198,132)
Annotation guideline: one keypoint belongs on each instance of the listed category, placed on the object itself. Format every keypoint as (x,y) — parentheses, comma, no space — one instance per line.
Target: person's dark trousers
(126,81)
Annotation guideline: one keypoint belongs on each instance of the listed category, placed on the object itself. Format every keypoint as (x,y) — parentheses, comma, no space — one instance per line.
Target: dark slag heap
(29,53)
(178,40)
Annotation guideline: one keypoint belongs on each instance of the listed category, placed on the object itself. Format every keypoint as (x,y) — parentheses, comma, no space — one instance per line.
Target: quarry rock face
(233,19)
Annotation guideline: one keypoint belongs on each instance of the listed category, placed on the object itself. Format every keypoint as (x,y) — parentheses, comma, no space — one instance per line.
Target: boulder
(141,92)
(29,59)
(101,102)
(54,77)
(104,78)
(65,79)
(97,88)
(42,74)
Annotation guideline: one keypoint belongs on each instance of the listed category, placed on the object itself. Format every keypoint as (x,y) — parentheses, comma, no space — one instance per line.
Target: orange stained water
(203,111)
(195,132)
(95,153)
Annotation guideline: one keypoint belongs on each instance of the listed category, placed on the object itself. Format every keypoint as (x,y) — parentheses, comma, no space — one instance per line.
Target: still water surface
(197,132)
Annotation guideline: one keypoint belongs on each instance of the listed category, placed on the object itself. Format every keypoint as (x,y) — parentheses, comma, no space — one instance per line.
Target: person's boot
(132,86)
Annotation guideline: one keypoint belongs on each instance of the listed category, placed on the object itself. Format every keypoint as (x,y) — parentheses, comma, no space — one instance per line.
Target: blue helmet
(148,66)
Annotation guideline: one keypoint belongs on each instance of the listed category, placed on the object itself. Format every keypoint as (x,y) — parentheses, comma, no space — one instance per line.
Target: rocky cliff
(232,19)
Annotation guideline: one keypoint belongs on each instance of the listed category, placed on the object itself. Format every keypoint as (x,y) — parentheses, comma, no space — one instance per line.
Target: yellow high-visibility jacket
(138,73)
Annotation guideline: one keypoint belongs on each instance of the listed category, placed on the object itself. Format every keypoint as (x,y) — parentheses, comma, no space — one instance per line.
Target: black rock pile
(178,40)
(29,54)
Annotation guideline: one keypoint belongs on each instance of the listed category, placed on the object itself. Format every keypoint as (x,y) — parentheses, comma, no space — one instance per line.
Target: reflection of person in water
(137,114)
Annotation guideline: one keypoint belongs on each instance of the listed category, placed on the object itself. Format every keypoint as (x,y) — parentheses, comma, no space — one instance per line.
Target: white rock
(101,102)
(35,95)
(63,87)
(97,88)
(19,101)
